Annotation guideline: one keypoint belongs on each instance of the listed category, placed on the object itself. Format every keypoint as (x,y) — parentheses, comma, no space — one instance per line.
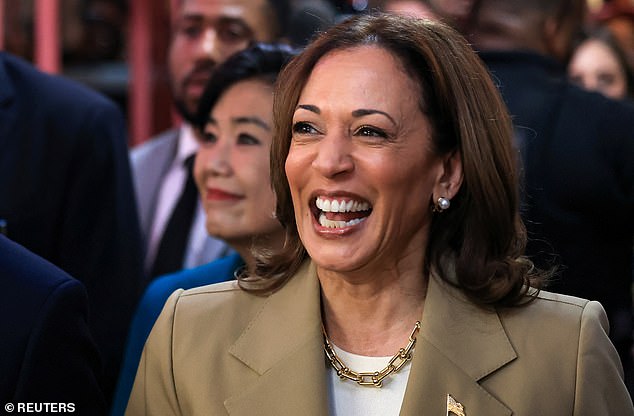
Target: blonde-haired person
(402,265)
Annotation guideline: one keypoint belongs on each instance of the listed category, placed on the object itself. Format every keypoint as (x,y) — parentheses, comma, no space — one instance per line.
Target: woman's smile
(232,165)
(218,195)
(361,165)
(344,212)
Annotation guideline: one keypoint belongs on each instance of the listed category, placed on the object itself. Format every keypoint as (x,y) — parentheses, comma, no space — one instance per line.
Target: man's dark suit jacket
(46,354)
(578,193)
(66,193)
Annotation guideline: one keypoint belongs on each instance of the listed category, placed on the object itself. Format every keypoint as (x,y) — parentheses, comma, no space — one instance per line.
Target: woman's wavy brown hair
(482,232)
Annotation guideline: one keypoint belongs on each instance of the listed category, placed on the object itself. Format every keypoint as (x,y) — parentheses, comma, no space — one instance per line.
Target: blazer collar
(459,344)
(291,363)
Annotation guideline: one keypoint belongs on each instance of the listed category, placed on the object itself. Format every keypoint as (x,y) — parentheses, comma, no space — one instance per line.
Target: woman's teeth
(327,205)
(325,222)
(340,206)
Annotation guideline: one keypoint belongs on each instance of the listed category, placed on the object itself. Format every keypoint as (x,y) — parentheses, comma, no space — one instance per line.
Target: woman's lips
(220,195)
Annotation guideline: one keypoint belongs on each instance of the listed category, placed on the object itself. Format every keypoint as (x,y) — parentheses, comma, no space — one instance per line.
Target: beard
(188,115)
(188,107)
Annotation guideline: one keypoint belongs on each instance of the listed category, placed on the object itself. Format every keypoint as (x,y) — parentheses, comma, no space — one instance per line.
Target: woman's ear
(450,180)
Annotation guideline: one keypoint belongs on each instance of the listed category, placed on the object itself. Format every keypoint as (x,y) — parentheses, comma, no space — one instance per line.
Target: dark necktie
(171,252)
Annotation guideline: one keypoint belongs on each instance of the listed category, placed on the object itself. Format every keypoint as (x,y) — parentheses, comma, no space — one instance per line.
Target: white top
(171,189)
(348,398)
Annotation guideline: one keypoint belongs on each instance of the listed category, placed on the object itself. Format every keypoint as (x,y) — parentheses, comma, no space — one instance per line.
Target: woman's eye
(303,128)
(606,80)
(248,139)
(368,131)
(208,138)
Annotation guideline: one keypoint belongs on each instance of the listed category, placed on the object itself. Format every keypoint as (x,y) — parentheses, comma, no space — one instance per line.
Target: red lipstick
(220,195)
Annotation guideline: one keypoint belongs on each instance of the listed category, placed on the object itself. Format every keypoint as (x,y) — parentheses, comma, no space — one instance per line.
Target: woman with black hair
(234,127)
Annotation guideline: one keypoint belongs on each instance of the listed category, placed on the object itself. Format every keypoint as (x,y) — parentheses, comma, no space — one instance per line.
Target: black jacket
(577,151)
(47,354)
(66,193)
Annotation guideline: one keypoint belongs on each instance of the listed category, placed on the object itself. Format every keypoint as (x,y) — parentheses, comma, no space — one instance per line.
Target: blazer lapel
(291,364)
(150,162)
(459,345)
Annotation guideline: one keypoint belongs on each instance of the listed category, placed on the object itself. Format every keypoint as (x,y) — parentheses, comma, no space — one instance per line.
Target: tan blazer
(218,350)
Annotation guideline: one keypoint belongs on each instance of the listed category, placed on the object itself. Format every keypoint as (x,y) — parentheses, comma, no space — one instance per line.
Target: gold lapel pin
(454,407)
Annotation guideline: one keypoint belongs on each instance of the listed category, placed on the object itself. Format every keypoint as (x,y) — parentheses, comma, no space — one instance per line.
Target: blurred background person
(95,41)
(577,151)
(618,17)
(67,193)
(101,32)
(235,128)
(416,8)
(599,64)
(47,354)
(452,12)
(205,33)
(309,18)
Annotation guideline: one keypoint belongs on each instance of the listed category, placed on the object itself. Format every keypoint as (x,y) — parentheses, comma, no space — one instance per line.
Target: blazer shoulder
(213,289)
(206,275)
(578,309)
(164,142)
(27,272)
(223,306)
(563,300)
(554,305)
(560,316)
(151,159)
(40,89)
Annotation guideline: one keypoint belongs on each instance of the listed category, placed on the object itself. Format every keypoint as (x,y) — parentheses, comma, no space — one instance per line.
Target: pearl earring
(441,204)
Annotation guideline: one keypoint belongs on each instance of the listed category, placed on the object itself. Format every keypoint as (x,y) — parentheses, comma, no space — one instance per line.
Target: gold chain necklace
(374,378)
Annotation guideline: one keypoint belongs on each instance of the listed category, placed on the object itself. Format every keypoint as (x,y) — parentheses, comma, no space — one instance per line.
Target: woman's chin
(337,260)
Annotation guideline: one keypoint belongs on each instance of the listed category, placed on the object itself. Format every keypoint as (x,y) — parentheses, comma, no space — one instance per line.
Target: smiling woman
(416,137)
(402,266)
(232,164)
(372,150)
(235,128)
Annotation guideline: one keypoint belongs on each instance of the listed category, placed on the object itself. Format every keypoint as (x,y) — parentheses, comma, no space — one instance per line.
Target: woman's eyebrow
(251,120)
(244,120)
(310,107)
(356,113)
(365,112)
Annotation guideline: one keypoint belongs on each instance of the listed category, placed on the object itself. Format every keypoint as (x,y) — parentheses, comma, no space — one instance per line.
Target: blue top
(149,309)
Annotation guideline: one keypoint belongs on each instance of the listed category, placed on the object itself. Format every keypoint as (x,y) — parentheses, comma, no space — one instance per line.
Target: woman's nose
(334,155)
(216,159)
